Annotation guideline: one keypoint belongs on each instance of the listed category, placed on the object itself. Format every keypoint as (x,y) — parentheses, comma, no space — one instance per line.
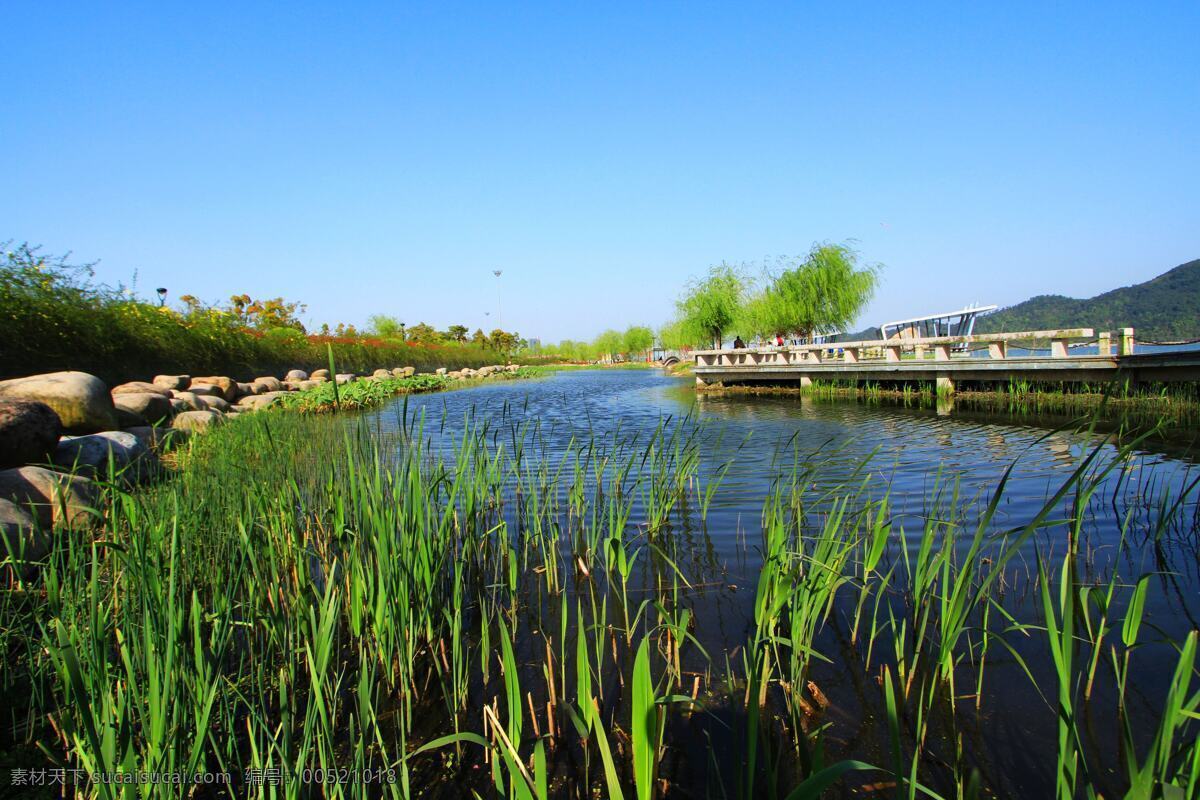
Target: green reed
(497,617)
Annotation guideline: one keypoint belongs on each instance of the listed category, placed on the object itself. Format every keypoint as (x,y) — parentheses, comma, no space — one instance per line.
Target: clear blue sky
(386,158)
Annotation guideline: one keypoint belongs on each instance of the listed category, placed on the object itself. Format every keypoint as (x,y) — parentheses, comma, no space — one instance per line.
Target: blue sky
(386,158)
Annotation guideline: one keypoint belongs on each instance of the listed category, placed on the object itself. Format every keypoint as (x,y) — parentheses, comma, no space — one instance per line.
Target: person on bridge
(738,344)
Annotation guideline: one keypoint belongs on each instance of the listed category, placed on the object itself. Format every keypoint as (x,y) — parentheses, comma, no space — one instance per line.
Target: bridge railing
(939,348)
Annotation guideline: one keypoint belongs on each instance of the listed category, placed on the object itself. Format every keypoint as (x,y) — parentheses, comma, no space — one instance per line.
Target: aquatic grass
(308,591)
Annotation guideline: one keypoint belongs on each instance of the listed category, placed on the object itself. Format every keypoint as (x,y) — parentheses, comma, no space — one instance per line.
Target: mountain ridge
(1164,308)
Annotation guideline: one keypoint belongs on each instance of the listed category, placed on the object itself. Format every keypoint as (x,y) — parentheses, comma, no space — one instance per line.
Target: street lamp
(499,317)
(162,297)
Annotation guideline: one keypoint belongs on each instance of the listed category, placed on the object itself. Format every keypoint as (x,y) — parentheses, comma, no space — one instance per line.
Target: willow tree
(824,293)
(608,344)
(674,336)
(636,340)
(710,307)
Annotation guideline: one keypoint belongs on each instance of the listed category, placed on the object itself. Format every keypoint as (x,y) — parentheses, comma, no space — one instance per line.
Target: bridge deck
(910,361)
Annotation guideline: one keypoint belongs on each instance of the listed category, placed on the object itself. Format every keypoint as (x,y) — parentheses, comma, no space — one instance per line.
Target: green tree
(457,333)
(504,342)
(274,312)
(423,333)
(608,344)
(385,327)
(636,340)
(821,294)
(709,307)
(673,336)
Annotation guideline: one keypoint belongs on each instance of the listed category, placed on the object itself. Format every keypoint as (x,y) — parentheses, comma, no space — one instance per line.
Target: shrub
(52,317)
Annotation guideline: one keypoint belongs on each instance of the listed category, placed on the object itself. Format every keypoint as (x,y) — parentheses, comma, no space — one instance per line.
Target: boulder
(227,386)
(29,431)
(206,390)
(196,421)
(52,498)
(512,368)
(292,386)
(398,372)
(178,405)
(318,381)
(258,401)
(89,455)
(310,384)
(382,373)
(296,375)
(248,388)
(81,400)
(214,403)
(190,400)
(466,372)
(180,382)
(127,419)
(269,384)
(319,374)
(156,439)
(345,377)
(139,387)
(408,372)
(150,408)
(441,372)
(20,532)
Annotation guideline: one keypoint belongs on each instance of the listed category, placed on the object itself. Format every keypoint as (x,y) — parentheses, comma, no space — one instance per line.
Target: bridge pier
(945,384)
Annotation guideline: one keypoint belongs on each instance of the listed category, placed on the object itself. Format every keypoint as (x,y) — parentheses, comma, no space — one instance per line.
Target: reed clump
(344,608)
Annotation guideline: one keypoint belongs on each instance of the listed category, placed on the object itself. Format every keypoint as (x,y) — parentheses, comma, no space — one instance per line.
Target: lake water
(908,453)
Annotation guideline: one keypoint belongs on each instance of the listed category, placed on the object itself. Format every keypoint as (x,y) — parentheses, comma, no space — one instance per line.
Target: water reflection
(930,463)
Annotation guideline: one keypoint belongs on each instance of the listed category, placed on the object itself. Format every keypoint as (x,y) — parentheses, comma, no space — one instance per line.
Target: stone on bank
(81,401)
(29,431)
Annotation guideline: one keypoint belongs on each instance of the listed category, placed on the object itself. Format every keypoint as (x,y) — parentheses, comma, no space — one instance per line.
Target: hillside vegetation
(1166,308)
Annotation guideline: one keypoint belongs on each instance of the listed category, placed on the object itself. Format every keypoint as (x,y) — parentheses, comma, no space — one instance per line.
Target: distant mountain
(1166,308)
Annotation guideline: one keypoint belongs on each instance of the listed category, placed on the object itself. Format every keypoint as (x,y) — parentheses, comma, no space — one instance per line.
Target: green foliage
(53,317)
(631,344)
(636,340)
(385,327)
(371,392)
(608,343)
(710,307)
(423,333)
(319,591)
(823,293)
(1166,308)
(673,336)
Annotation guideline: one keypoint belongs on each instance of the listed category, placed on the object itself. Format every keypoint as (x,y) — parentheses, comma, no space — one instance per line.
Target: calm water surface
(910,453)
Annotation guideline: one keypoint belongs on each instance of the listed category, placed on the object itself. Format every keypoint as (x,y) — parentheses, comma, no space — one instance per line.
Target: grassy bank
(52,318)
(363,394)
(507,619)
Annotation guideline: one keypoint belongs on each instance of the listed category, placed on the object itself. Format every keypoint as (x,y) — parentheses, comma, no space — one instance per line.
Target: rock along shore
(62,431)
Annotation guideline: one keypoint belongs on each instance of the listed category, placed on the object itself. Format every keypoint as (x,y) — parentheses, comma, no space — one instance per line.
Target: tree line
(822,292)
(633,344)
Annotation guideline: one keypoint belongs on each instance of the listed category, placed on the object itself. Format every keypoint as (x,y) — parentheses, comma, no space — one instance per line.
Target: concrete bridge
(947,361)
(669,358)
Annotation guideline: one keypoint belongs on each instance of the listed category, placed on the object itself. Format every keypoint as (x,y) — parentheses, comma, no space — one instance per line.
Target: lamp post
(499,314)
(162,297)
